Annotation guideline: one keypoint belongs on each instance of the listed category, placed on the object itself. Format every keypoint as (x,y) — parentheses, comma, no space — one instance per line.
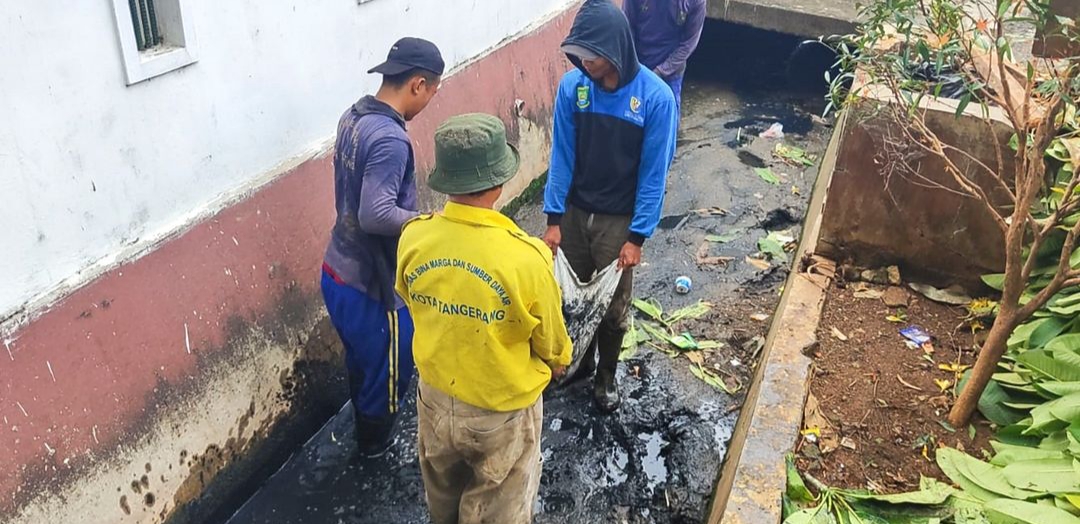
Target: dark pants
(378,348)
(591,242)
(675,83)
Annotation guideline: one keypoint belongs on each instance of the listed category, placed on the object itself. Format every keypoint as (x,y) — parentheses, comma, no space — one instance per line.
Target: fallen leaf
(944,385)
(711,211)
(847,443)
(761,265)
(813,419)
(869,293)
(908,384)
(839,335)
(982,307)
(953,295)
(767,175)
(703,259)
(772,246)
(953,367)
(725,238)
(795,191)
(695,357)
(1073,146)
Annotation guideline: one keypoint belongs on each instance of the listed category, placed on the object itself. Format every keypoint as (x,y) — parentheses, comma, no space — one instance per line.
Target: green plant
(903,51)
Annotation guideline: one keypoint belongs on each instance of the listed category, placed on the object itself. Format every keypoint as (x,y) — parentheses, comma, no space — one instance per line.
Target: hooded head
(601,29)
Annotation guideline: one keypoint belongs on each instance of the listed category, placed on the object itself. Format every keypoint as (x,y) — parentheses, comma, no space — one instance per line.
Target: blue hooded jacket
(611,150)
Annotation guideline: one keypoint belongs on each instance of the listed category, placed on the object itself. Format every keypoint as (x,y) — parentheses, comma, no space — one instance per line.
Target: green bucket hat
(472,155)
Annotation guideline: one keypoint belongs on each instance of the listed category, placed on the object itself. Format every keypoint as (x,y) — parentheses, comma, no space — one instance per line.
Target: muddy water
(656,460)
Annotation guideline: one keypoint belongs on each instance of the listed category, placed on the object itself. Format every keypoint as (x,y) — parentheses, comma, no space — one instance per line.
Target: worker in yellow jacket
(489,333)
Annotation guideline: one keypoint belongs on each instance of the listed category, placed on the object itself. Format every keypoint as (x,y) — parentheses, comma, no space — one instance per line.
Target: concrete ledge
(809,18)
(878,215)
(752,479)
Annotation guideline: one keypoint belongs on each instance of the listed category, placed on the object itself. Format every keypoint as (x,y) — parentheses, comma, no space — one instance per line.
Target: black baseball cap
(411,53)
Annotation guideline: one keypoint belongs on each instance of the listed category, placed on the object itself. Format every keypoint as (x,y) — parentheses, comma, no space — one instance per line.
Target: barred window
(144,21)
(156,37)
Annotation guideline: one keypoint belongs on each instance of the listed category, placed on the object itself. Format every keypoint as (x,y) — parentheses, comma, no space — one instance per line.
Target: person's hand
(553,237)
(630,255)
(558,373)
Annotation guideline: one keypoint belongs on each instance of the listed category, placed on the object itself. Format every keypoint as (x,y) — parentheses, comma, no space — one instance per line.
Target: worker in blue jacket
(614,139)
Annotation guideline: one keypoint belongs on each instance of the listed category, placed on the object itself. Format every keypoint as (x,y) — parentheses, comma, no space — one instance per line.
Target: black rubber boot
(374,435)
(606,386)
(606,391)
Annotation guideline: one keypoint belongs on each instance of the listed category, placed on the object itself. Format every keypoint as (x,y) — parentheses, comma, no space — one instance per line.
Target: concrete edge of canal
(752,479)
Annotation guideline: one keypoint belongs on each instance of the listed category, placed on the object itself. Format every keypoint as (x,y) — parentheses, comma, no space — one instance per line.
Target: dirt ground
(878,397)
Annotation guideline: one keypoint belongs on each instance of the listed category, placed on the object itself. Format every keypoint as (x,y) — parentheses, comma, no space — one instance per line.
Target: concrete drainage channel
(659,458)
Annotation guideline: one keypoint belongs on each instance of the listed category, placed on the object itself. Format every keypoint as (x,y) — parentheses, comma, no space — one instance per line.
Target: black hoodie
(611,150)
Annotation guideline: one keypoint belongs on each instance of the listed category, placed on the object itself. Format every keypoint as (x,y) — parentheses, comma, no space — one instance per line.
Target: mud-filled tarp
(584,303)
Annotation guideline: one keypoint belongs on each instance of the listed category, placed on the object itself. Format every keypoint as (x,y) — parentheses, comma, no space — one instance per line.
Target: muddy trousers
(378,350)
(479,466)
(590,242)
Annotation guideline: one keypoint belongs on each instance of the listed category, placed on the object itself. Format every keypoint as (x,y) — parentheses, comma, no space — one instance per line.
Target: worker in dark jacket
(666,32)
(375,194)
(613,142)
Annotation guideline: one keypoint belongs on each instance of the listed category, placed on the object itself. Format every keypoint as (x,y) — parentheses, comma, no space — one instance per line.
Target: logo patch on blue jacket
(635,104)
(582,97)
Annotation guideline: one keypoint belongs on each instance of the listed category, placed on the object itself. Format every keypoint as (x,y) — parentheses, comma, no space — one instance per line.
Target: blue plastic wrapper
(916,335)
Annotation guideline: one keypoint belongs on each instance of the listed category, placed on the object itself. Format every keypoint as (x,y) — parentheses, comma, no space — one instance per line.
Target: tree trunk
(989,356)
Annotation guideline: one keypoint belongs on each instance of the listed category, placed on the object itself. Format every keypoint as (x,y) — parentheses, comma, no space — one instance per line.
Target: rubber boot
(374,435)
(606,385)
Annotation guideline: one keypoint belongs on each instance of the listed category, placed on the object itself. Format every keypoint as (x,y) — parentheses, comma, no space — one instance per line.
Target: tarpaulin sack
(584,304)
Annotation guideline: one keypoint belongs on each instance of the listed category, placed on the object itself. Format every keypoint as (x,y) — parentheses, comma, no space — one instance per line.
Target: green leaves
(650,307)
(796,489)
(1045,475)
(774,249)
(767,175)
(1005,511)
(793,155)
(1044,363)
(984,481)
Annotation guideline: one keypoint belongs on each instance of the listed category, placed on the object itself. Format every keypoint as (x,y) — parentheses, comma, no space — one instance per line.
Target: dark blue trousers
(378,348)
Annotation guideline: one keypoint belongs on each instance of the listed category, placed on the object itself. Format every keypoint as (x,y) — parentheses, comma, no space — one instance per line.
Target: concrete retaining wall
(876,216)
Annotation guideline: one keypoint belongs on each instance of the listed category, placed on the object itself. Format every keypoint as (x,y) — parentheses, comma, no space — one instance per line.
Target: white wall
(91,169)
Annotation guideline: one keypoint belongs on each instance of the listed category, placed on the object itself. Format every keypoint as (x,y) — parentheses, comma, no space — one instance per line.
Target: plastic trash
(916,336)
(584,304)
(682,285)
(774,131)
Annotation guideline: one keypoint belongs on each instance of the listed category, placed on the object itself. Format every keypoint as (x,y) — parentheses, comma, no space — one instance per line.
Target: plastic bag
(774,131)
(584,304)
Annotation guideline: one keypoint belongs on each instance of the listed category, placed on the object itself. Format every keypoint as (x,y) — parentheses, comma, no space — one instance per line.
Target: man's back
(372,163)
(486,294)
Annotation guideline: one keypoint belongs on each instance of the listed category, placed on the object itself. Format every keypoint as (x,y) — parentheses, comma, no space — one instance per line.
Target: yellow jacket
(487,309)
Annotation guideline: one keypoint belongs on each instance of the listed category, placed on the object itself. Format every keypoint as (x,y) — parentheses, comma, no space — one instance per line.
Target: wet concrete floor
(656,459)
